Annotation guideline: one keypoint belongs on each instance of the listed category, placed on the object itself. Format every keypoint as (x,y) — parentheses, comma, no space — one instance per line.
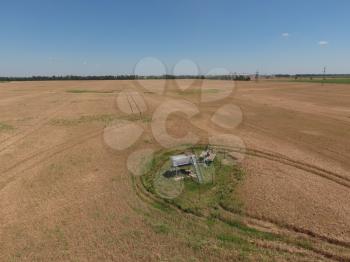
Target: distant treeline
(314,75)
(124,77)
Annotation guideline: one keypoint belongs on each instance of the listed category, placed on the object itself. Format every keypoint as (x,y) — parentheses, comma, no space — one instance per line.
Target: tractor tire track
(132,102)
(5,144)
(312,169)
(150,198)
(279,156)
(137,106)
(334,155)
(131,107)
(57,149)
(329,175)
(319,253)
(292,228)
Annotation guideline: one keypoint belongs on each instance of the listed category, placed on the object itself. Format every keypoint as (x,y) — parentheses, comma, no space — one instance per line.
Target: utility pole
(257,76)
(324,75)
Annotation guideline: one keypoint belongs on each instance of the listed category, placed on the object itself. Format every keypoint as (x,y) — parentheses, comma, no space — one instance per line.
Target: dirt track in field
(309,124)
(64,193)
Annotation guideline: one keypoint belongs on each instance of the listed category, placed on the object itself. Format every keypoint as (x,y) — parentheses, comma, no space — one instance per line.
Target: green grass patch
(320,80)
(252,232)
(232,239)
(146,119)
(197,243)
(57,236)
(161,229)
(161,206)
(6,127)
(199,91)
(82,91)
(104,118)
(303,243)
(218,189)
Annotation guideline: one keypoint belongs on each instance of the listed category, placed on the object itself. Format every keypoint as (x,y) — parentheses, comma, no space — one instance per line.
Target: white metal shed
(180,160)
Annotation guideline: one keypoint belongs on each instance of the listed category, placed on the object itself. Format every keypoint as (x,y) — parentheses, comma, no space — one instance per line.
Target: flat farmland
(68,192)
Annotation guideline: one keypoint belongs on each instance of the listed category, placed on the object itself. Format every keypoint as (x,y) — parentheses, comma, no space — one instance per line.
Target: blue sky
(109,37)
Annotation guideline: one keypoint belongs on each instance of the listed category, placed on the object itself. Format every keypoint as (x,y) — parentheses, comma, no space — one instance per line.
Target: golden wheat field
(67,192)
